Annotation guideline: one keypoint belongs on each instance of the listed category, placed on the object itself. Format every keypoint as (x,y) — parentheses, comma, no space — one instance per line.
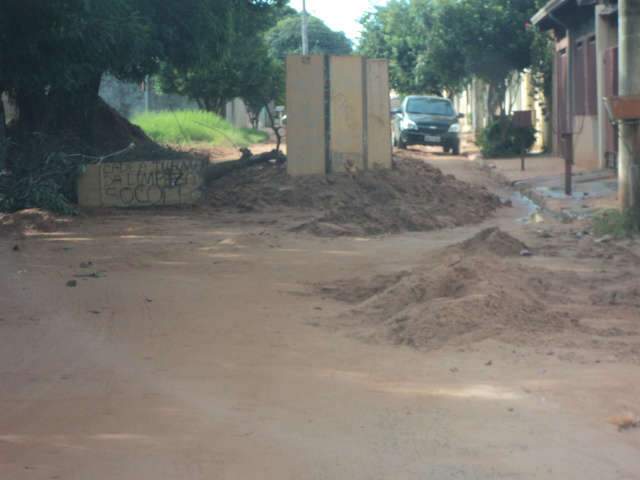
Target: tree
(285,38)
(268,86)
(402,31)
(438,46)
(240,65)
(54,53)
(494,38)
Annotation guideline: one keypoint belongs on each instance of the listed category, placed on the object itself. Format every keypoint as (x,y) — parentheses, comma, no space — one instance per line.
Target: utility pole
(146,93)
(629,85)
(305,29)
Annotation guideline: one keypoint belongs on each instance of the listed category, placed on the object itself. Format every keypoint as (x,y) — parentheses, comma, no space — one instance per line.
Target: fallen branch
(219,170)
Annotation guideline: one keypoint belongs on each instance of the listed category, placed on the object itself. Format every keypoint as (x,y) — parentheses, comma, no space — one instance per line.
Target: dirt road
(193,347)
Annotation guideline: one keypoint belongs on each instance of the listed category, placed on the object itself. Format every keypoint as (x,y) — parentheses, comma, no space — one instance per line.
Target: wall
(606,38)
(379,146)
(348,145)
(338,114)
(129,98)
(142,184)
(306,115)
(585,142)
(237,114)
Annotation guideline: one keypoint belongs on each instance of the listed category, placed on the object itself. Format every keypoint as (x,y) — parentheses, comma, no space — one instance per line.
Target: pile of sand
(470,292)
(413,196)
(493,240)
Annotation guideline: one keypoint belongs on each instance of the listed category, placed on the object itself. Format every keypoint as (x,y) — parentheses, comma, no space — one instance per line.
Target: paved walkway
(544,179)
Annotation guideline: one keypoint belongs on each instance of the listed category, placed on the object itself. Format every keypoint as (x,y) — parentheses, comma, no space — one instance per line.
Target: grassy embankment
(194,126)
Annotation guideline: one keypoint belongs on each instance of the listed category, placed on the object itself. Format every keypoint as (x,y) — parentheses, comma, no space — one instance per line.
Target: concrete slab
(378,132)
(348,148)
(142,184)
(306,130)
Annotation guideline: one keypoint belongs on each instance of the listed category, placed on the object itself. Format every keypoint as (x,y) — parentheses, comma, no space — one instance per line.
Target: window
(591,80)
(579,78)
(430,106)
(585,82)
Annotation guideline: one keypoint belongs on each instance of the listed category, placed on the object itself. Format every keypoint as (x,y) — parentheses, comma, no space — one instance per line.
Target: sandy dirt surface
(196,346)
(222,153)
(412,196)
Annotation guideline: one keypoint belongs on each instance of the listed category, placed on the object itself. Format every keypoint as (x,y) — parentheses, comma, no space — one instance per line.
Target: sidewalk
(544,181)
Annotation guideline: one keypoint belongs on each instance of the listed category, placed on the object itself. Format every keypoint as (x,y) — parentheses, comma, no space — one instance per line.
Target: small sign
(523,118)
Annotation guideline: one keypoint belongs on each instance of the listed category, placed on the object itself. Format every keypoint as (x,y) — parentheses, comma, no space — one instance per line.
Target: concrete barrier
(348,145)
(338,114)
(142,184)
(306,115)
(379,148)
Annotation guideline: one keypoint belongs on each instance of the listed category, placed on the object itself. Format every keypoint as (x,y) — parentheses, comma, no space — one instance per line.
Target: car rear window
(430,106)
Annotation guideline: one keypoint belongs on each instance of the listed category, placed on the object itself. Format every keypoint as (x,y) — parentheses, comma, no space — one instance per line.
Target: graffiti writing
(162,182)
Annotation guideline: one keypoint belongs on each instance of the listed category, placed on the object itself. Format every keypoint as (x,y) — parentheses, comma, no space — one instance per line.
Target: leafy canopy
(53,53)
(285,38)
(438,45)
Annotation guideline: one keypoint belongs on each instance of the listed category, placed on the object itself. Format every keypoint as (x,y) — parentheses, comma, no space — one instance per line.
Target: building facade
(585,73)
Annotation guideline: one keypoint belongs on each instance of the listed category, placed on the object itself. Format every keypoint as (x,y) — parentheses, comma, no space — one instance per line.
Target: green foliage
(240,63)
(616,223)
(4,147)
(542,52)
(54,52)
(402,32)
(437,46)
(285,38)
(501,138)
(189,126)
(39,178)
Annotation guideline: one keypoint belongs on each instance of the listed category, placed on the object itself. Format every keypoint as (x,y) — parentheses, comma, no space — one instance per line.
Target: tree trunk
(3,133)
(215,105)
(221,107)
(497,95)
(58,111)
(219,170)
(4,160)
(276,128)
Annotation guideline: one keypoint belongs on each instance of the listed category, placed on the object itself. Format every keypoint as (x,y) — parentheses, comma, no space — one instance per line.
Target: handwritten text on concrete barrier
(162,182)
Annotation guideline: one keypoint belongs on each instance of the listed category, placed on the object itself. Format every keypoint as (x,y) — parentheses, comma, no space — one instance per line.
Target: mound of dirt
(462,295)
(413,196)
(495,241)
(31,220)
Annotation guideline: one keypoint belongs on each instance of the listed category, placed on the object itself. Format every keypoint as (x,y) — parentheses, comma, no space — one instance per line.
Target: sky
(340,15)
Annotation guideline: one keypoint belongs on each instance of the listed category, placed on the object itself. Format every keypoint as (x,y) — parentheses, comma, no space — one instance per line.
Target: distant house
(585,72)
(520,96)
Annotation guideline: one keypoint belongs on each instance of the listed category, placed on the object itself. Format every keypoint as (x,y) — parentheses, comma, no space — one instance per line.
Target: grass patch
(195,126)
(616,223)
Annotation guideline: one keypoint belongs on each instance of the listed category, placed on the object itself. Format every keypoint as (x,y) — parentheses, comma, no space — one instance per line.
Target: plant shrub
(40,177)
(616,223)
(502,138)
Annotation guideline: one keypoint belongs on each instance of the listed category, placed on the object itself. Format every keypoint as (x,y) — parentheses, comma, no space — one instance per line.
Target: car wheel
(401,144)
(446,149)
(456,149)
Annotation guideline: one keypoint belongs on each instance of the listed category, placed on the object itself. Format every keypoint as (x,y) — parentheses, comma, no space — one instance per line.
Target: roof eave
(546,11)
